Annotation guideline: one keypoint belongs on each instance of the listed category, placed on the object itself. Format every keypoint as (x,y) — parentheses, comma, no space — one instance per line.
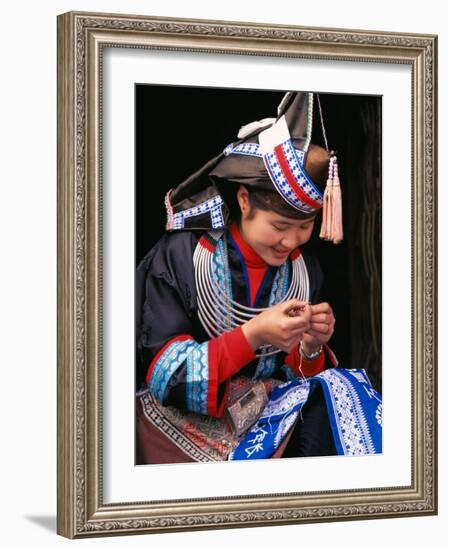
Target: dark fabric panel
(152,446)
(312,434)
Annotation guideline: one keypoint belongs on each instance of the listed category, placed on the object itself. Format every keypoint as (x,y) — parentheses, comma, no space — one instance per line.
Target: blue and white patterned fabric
(253,150)
(214,206)
(222,275)
(197,373)
(300,176)
(197,379)
(354,409)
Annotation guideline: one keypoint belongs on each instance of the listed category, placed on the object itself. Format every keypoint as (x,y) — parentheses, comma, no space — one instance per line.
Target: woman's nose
(291,241)
(288,243)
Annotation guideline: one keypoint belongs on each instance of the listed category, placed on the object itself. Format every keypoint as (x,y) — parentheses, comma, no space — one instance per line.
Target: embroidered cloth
(354,408)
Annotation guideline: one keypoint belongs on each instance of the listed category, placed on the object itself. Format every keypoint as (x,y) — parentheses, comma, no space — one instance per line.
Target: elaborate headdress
(275,155)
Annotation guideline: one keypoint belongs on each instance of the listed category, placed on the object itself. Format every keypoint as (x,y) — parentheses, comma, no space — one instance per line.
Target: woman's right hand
(278,326)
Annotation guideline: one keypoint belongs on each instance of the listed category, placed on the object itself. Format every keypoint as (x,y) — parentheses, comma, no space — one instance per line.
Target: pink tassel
(332,219)
(337,218)
(330,211)
(323,231)
(326,221)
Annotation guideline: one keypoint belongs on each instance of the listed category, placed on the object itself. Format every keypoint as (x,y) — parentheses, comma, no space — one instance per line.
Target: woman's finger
(293,307)
(322,318)
(324,307)
(296,323)
(322,328)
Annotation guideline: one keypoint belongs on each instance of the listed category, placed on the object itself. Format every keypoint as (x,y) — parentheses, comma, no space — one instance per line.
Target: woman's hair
(258,199)
(265,200)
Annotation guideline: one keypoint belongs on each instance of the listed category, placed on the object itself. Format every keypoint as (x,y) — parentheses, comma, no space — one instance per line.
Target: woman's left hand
(322,325)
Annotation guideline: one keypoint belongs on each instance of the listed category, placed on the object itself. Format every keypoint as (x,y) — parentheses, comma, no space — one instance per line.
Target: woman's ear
(243,199)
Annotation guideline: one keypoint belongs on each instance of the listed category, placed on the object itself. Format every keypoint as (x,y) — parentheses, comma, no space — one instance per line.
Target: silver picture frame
(82,39)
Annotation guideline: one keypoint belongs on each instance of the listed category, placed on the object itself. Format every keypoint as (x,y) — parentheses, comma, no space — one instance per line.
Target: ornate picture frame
(83,39)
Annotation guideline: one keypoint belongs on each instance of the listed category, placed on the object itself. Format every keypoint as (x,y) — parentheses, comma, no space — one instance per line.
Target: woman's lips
(280,253)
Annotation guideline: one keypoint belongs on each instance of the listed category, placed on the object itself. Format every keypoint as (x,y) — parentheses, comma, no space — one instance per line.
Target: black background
(178,129)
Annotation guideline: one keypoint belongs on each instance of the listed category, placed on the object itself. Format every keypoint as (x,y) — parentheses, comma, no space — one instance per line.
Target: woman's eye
(278,228)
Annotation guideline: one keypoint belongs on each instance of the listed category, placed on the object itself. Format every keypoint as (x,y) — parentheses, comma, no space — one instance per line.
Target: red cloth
(256,267)
(233,353)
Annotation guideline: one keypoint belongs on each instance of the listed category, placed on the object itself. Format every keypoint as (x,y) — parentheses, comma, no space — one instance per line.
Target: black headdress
(273,154)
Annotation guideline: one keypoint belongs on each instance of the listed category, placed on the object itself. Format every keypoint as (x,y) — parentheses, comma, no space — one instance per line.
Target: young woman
(232,335)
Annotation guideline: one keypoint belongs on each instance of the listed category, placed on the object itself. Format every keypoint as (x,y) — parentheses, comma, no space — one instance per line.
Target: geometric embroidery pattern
(379,414)
(291,180)
(253,150)
(167,364)
(353,406)
(197,373)
(281,406)
(276,419)
(197,379)
(352,425)
(214,206)
(280,286)
(222,276)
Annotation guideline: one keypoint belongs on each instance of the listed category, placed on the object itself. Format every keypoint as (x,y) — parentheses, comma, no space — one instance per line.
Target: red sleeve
(232,352)
(228,353)
(308,368)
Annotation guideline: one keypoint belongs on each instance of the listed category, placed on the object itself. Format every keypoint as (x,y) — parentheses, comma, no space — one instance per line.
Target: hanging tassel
(332,219)
(330,211)
(337,217)
(323,231)
(326,221)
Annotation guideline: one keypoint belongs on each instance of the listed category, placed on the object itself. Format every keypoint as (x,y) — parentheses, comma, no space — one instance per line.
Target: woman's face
(272,236)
